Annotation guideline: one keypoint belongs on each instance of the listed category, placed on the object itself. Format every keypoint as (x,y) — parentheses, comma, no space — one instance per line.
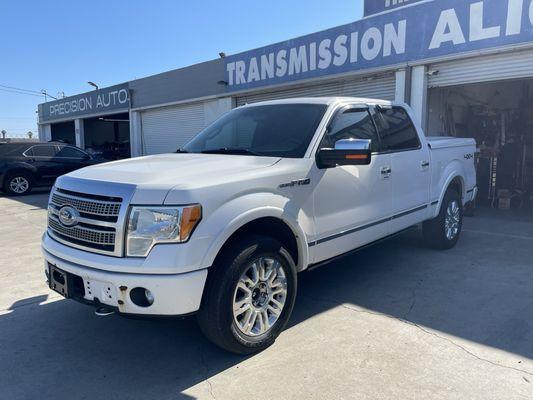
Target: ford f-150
(222,227)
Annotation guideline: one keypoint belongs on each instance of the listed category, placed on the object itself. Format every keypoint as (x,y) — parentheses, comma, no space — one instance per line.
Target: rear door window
(70,152)
(43,151)
(396,129)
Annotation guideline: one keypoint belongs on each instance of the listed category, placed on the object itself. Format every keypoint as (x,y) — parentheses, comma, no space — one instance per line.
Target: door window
(70,152)
(353,123)
(396,129)
(43,151)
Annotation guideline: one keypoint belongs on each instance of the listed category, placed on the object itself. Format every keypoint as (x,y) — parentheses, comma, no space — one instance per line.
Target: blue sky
(60,45)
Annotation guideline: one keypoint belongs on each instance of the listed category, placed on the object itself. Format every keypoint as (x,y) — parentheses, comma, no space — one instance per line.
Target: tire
(18,183)
(224,293)
(444,231)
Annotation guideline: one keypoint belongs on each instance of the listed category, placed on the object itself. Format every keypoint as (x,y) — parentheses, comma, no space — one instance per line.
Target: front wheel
(443,231)
(249,296)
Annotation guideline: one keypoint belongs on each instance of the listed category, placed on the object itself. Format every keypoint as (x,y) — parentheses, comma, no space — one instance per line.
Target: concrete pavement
(394,321)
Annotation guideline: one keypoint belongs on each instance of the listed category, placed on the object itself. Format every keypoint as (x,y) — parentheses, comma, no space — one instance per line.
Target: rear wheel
(443,231)
(249,296)
(18,184)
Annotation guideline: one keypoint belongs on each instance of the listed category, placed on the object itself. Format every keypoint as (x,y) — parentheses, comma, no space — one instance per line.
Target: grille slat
(104,209)
(86,235)
(94,234)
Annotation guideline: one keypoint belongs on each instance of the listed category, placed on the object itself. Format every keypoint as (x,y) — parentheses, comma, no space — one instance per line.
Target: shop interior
(108,137)
(499,115)
(64,132)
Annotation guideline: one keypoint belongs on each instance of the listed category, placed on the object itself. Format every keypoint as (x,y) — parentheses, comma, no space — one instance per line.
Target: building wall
(194,82)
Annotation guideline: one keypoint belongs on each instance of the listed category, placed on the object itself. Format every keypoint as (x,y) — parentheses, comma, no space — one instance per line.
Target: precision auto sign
(107,99)
(427,30)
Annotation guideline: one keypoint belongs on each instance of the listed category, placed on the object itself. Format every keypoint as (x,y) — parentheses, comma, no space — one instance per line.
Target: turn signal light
(356,156)
(189,219)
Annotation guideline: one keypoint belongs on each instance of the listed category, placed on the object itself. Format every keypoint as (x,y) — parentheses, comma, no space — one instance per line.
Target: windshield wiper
(180,150)
(226,150)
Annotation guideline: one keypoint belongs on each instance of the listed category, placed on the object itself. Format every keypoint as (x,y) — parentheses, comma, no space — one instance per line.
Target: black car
(26,165)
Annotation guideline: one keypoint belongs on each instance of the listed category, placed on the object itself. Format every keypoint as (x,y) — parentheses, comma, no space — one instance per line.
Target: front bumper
(174,294)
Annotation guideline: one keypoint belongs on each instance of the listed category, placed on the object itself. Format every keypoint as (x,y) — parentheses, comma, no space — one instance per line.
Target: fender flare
(254,214)
(446,185)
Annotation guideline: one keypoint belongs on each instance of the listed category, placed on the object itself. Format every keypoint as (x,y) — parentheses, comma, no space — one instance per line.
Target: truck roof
(322,100)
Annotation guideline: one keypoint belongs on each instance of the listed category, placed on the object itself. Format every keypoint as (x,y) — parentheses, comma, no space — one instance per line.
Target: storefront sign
(97,101)
(379,6)
(431,29)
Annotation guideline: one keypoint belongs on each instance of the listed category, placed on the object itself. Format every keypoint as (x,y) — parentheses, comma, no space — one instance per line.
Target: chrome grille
(94,236)
(99,222)
(102,208)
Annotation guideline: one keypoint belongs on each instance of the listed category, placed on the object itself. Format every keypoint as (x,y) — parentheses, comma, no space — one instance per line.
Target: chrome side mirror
(346,152)
(353,144)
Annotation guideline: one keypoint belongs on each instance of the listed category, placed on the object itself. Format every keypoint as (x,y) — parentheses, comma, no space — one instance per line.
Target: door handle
(385,172)
(424,164)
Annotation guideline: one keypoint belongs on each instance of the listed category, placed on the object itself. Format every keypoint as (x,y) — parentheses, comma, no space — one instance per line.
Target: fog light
(141,297)
(149,296)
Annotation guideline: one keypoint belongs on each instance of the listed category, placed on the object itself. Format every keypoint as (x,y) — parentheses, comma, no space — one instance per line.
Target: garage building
(464,66)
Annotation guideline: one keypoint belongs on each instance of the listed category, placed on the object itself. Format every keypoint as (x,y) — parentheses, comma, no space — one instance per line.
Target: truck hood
(153,177)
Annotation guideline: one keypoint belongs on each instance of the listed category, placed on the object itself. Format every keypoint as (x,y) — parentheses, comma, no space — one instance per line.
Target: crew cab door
(351,202)
(42,159)
(410,166)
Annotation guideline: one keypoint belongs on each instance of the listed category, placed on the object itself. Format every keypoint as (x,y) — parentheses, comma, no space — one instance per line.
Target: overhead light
(222,54)
(93,84)
(113,120)
(433,72)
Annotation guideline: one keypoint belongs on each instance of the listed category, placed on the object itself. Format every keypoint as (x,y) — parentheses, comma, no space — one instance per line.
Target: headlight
(148,226)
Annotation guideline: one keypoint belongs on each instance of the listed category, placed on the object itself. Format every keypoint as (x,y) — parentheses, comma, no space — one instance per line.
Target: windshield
(281,130)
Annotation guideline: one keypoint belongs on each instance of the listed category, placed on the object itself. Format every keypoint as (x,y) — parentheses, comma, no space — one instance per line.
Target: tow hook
(104,311)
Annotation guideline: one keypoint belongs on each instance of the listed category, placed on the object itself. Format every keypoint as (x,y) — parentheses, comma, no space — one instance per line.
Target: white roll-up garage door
(382,87)
(166,129)
(495,67)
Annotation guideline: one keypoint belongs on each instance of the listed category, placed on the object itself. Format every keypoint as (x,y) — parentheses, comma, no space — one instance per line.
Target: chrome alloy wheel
(19,184)
(260,296)
(452,220)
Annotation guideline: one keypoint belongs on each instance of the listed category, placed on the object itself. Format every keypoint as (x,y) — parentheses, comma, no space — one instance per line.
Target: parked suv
(26,165)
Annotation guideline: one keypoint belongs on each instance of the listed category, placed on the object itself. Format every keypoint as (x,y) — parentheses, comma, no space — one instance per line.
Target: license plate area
(60,281)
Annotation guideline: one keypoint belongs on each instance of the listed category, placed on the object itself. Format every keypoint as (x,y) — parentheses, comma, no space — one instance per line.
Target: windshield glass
(283,130)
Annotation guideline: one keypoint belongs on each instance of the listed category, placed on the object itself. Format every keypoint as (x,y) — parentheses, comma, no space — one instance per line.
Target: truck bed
(452,154)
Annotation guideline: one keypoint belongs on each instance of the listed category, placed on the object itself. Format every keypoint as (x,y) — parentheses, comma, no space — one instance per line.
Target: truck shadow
(38,198)
(479,291)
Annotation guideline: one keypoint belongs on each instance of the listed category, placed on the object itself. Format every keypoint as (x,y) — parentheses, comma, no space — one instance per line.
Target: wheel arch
(18,169)
(456,181)
(268,222)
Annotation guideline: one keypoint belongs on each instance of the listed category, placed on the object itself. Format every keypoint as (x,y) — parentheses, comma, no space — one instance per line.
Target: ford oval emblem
(68,216)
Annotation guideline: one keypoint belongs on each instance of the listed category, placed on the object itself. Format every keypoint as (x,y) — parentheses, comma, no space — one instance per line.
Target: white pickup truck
(222,227)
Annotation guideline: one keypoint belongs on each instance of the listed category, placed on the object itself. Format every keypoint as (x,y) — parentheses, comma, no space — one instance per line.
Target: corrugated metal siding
(383,87)
(483,69)
(166,129)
